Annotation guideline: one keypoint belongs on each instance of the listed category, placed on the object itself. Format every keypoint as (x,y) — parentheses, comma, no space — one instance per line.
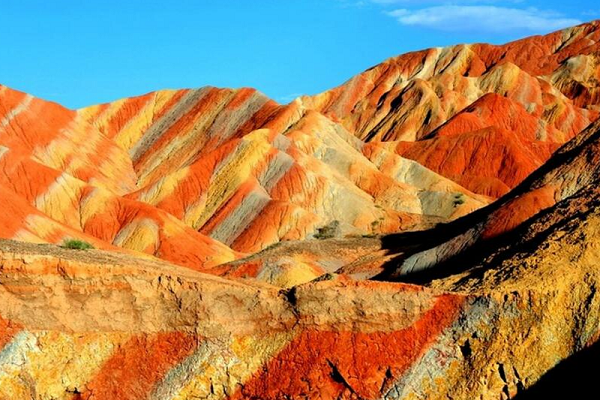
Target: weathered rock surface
(466,300)
(247,172)
(417,256)
(571,169)
(506,102)
(97,325)
(235,167)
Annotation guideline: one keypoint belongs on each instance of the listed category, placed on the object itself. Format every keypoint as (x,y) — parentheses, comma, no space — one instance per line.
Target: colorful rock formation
(231,165)
(510,101)
(112,326)
(338,247)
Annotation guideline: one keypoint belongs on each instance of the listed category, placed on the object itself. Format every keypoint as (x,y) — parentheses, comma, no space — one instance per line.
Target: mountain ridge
(428,229)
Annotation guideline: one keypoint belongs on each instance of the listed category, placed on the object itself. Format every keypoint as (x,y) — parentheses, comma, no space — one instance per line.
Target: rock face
(191,174)
(445,107)
(249,172)
(236,167)
(245,248)
(98,325)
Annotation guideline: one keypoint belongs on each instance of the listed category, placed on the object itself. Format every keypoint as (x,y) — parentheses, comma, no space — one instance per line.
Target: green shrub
(459,199)
(376,224)
(328,276)
(76,245)
(328,231)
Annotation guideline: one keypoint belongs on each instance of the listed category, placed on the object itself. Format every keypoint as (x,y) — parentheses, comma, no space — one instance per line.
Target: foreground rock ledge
(98,325)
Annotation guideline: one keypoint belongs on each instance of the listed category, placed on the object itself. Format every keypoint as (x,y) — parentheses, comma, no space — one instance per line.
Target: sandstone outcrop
(428,230)
(526,97)
(87,325)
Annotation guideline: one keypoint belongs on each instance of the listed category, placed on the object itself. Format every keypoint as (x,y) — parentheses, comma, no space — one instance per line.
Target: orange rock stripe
(127,111)
(180,127)
(134,369)
(334,365)
(8,330)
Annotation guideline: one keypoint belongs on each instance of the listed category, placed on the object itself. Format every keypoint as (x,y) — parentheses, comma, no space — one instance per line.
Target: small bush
(328,276)
(328,231)
(376,224)
(459,199)
(76,245)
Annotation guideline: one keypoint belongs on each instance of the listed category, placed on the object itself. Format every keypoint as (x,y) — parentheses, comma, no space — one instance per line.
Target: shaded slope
(421,256)
(578,370)
(571,169)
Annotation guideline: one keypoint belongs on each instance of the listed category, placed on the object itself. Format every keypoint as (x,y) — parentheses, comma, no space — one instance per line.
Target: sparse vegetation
(459,199)
(328,231)
(272,246)
(369,236)
(75,244)
(376,225)
(328,276)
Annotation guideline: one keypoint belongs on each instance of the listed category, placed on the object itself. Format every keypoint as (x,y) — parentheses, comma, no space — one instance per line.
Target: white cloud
(411,3)
(482,18)
(440,2)
(590,13)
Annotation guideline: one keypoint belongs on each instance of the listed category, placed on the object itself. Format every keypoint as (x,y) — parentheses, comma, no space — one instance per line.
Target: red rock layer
(541,89)
(345,365)
(489,161)
(136,366)
(195,176)
(201,156)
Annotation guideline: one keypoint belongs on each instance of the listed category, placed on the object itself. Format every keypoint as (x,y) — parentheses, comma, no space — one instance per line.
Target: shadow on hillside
(492,252)
(573,378)
(403,245)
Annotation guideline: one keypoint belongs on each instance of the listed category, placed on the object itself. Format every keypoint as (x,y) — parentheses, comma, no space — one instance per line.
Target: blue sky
(80,52)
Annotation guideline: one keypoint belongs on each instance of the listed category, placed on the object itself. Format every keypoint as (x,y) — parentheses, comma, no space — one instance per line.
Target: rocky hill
(485,116)
(98,325)
(429,229)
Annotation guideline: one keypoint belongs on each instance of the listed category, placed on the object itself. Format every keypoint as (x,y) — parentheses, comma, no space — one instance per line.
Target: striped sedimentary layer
(572,169)
(188,175)
(420,139)
(242,169)
(444,107)
(190,164)
(419,256)
(194,176)
(91,325)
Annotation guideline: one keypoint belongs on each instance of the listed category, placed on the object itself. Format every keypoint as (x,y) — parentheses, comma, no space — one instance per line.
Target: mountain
(85,325)
(485,116)
(244,171)
(428,229)
(229,164)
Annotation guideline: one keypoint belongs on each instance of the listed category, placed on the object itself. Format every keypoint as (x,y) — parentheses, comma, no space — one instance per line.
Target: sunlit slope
(249,172)
(549,91)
